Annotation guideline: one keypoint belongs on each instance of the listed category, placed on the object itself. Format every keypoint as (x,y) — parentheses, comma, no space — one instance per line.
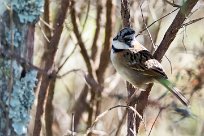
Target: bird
(137,65)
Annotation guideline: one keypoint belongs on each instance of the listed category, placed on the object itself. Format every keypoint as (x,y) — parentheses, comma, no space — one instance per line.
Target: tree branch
(61,16)
(142,99)
(48,56)
(79,39)
(105,54)
(94,47)
(85,57)
(164,45)
(174,28)
(125,12)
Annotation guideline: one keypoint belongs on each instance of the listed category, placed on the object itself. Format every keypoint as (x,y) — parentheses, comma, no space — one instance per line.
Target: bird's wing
(143,61)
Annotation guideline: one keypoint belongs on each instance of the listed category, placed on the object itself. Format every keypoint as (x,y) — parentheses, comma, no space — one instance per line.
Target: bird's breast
(134,77)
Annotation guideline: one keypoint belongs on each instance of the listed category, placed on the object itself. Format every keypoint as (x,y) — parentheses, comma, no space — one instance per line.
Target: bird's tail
(166,83)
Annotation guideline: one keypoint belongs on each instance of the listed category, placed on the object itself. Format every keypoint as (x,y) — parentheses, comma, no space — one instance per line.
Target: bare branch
(86,17)
(192,21)
(70,71)
(125,12)
(149,34)
(72,125)
(48,58)
(80,105)
(136,113)
(160,110)
(60,67)
(79,38)
(44,35)
(47,24)
(157,21)
(172,4)
(94,47)
(168,38)
(105,54)
(120,123)
(174,27)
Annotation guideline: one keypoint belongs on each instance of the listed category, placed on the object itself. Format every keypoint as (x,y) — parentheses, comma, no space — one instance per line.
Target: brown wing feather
(144,62)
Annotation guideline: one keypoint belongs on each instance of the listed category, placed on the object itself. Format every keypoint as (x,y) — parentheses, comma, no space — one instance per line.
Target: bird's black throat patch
(117,50)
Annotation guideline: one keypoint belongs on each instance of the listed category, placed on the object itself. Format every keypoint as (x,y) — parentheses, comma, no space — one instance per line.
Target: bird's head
(124,38)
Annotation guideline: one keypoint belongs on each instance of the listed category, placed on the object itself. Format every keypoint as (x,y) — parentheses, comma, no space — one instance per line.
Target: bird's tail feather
(166,83)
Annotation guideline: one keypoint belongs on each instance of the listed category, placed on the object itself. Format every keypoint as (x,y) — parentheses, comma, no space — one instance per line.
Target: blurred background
(88,85)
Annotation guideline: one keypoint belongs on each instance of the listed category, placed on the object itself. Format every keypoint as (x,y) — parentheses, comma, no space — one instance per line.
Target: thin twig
(94,47)
(160,110)
(70,71)
(172,4)
(156,32)
(105,54)
(169,63)
(168,38)
(120,123)
(60,67)
(49,56)
(45,23)
(192,21)
(174,27)
(149,34)
(86,17)
(114,107)
(94,50)
(154,46)
(79,38)
(81,105)
(45,36)
(183,39)
(157,21)
(72,125)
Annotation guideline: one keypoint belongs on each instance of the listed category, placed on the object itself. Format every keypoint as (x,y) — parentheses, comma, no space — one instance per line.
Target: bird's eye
(128,39)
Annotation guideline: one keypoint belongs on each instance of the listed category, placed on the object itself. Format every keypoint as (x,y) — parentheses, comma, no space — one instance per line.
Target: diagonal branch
(172,4)
(105,55)
(53,46)
(94,47)
(157,21)
(86,59)
(48,58)
(163,47)
(174,28)
(79,39)
(192,21)
(142,99)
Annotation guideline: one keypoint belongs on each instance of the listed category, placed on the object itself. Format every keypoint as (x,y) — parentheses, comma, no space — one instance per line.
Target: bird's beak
(115,38)
(131,45)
